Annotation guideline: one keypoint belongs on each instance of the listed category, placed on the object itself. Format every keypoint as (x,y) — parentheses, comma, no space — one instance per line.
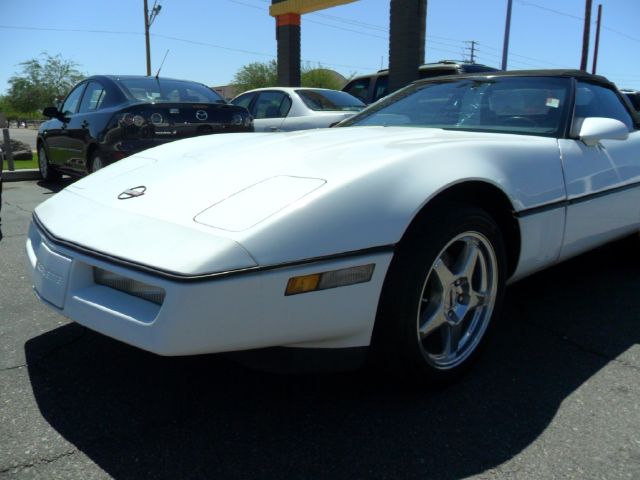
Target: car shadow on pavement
(137,415)
(54,186)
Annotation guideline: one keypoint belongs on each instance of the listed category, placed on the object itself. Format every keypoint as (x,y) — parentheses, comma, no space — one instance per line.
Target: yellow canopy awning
(303,6)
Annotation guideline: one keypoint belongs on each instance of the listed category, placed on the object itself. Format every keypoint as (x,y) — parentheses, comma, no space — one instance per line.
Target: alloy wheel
(457,300)
(42,163)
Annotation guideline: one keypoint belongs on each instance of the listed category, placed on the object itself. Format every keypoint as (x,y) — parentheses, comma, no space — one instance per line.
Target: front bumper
(232,312)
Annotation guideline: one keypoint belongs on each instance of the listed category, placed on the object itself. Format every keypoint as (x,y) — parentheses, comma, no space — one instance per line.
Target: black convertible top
(568,73)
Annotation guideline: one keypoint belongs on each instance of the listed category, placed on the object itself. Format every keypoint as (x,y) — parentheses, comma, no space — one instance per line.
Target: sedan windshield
(525,105)
(330,100)
(164,90)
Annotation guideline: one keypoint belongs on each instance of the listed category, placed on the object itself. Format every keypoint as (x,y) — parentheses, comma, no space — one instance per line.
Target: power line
(621,34)
(352,22)
(330,17)
(206,44)
(336,18)
(178,39)
(346,29)
(249,5)
(347,21)
(73,30)
(575,17)
(557,12)
(430,39)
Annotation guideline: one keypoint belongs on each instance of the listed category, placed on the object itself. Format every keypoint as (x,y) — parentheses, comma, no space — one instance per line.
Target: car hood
(220,203)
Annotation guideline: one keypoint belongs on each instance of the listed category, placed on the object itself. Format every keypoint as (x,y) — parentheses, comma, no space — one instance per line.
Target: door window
(598,101)
(70,105)
(359,88)
(272,105)
(93,97)
(381,88)
(244,100)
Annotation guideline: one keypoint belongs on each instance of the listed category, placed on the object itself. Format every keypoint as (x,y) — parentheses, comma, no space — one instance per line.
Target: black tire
(435,316)
(48,173)
(96,162)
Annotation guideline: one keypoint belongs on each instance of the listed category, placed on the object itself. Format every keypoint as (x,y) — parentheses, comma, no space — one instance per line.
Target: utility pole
(595,52)
(148,21)
(585,36)
(507,32)
(472,49)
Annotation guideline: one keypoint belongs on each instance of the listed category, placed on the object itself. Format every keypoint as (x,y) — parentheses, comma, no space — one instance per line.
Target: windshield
(163,90)
(527,105)
(330,100)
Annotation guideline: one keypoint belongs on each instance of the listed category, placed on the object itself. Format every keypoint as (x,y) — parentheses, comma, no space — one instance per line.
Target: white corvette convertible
(393,234)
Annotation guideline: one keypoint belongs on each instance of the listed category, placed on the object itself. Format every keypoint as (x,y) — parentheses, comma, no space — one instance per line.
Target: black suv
(634,98)
(370,88)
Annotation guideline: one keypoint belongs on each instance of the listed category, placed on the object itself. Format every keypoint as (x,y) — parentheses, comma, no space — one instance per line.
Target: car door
(269,110)
(603,181)
(59,144)
(80,123)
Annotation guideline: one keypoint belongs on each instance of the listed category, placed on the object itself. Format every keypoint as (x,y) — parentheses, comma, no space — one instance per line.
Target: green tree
(265,74)
(320,78)
(256,75)
(41,81)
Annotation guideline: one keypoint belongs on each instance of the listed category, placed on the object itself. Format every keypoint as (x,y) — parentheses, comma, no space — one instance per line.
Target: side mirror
(594,129)
(51,112)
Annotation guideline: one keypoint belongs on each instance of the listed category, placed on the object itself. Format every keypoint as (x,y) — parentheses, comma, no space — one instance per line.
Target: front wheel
(442,294)
(47,172)
(96,162)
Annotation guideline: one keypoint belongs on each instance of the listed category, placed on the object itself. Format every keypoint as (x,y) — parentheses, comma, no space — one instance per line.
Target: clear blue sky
(209,40)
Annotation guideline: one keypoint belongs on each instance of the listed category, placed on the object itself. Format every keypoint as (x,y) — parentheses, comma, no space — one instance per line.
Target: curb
(19,175)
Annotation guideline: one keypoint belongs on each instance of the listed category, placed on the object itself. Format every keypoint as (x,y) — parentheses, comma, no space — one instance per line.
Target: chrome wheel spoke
(444,274)
(477,299)
(451,340)
(468,259)
(431,321)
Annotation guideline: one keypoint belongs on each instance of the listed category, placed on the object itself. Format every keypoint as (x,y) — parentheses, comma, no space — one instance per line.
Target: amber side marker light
(331,279)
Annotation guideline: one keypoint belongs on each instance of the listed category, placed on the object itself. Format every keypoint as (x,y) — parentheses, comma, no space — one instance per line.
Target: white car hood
(213,203)
(199,172)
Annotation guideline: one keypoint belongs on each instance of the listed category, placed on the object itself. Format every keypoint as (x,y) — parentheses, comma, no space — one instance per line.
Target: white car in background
(393,234)
(284,109)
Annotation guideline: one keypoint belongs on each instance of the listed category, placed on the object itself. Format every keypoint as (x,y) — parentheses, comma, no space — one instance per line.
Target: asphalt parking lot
(556,396)
(26,135)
